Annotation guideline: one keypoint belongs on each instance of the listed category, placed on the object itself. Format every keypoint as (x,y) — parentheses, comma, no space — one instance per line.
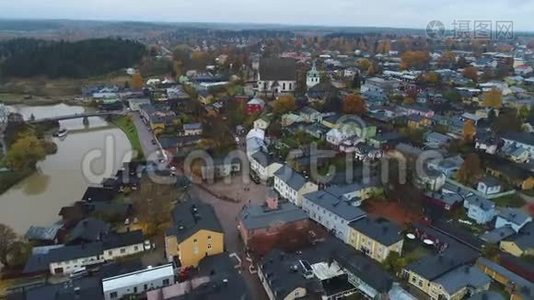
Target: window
(195,249)
(209,237)
(195,240)
(165,281)
(113,295)
(110,252)
(123,250)
(135,290)
(146,287)
(136,248)
(209,246)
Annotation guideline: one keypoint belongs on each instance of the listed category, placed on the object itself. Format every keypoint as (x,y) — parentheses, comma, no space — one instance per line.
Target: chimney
(272,200)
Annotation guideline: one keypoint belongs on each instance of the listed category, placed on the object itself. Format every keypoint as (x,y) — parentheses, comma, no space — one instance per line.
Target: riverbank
(126,124)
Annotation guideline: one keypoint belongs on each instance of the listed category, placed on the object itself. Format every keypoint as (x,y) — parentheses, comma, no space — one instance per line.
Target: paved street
(145,136)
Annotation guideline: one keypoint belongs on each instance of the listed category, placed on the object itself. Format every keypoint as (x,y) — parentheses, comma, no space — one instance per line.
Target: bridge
(84,116)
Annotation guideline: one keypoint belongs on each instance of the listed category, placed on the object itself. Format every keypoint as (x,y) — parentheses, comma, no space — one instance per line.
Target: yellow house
(520,244)
(195,234)
(376,238)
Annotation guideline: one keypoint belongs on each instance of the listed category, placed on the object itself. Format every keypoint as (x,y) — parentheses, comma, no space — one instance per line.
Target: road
(145,137)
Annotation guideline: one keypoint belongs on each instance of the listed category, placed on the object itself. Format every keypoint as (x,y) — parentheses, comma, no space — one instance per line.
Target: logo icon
(435,29)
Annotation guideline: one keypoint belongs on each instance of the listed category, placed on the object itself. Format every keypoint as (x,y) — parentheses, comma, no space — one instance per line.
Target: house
(86,288)
(416,121)
(436,140)
(255,106)
(430,179)
(327,270)
(479,209)
(486,142)
(514,217)
(460,282)
(221,167)
(255,140)
(322,92)
(520,244)
(519,287)
(335,136)
(215,278)
(375,237)
(134,104)
(44,235)
(363,151)
(88,230)
(291,185)
(65,260)
(489,185)
(264,165)
(117,245)
(448,256)
(417,109)
(519,140)
(448,166)
(277,76)
(272,225)
(195,233)
(137,283)
(263,122)
(192,129)
(313,77)
(517,175)
(310,115)
(444,200)
(334,213)
(98,194)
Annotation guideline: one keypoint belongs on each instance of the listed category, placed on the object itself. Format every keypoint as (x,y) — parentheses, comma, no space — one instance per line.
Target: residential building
(517,175)
(448,166)
(489,185)
(460,282)
(117,245)
(220,168)
(135,104)
(519,287)
(192,129)
(255,106)
(520,244)
(514,217)
(272,224)
(310,115)
(277,76)
(291,185)
(480,209)
(264,165)
(430,179)
(138,282)
(65,260)
(263,122)
(217,277)
(334,213)
(375,237)
(519,141)
(195,233)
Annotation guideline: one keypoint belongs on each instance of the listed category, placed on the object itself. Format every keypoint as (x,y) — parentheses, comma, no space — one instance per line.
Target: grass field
(128,127)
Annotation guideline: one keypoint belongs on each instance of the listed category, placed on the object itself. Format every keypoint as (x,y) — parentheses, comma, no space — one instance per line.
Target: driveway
(145,136)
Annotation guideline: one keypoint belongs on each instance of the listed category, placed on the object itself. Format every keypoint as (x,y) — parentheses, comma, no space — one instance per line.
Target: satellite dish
(411,236)
(428,242)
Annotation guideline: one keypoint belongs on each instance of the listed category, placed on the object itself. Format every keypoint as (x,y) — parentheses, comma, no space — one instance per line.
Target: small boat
(61,133)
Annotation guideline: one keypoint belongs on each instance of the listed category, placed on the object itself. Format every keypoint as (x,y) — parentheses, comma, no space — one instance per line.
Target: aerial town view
(243,150)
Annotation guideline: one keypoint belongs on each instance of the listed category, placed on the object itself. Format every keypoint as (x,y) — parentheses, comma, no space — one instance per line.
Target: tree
(452,95)
(471,73)
(408,100)
(7,238)
(363,64)
(284,104)
(137,81)
(25,153)
(354,104)
(431,78)
(415,59)
(469,130)
(394,262)
(371,71)
(447,60)
(493,98)
(507,121)
(471,170)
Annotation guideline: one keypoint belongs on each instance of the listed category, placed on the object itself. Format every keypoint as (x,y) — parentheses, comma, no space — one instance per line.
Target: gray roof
(192,126)
(260,216)
(278,69)
(498,234)
(522,137)
(490,181)
(483,203)
(290,177)
(379,229)
(43,233)
(447,198)
(117,240)
(74,252)
(338,206)
(487,295)
(512,277)
(89,230)
(263,158)
(462,277)
(191,216)
(514,215)
(525,238)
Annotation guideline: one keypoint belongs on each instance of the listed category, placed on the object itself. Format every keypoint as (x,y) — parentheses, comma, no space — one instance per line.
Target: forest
(61,59)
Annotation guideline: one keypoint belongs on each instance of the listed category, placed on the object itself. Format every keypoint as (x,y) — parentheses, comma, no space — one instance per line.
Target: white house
(335,136)
(138,282)
(191,129)
(264,165)
(135,103)
(519,142)
(489,185)
(334,213)
(514,217)
(291,185)
(479,209)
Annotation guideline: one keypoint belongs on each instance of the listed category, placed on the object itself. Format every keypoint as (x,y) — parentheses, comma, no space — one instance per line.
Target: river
(60,180)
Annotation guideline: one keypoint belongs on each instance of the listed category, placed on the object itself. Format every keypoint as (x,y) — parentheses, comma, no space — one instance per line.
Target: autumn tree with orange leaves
(414,59)
(471,73)
(469,130)
(354,104)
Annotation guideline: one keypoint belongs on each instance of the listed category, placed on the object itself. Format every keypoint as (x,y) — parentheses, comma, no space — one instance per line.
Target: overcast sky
(390,13)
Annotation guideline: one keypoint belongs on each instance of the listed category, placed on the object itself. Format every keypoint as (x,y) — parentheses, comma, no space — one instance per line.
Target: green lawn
(128,127)
(513,200)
